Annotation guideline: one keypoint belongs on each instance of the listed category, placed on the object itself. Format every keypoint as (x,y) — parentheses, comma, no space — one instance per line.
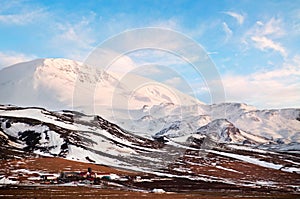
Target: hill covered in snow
(214,156)
(66,84)
(140,105)
(226,122)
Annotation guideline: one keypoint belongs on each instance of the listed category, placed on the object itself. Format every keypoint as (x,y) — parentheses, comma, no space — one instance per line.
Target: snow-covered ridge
(253,125)
(222,130)
(205,155)
(71,135)
(201,127)
(66,84)
(153,109)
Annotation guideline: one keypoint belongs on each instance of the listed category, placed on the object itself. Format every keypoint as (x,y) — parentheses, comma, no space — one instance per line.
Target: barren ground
(56,165)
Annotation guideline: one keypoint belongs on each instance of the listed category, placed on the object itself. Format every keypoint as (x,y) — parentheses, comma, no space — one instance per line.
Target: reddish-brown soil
(55,165)
(185,188)
(237,170)
(53,192)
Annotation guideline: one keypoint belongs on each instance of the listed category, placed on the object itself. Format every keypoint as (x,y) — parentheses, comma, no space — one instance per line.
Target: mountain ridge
(54,82)
(147,111)
(31,132)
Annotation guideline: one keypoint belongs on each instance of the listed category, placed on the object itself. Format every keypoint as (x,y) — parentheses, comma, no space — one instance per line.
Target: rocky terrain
(201,163)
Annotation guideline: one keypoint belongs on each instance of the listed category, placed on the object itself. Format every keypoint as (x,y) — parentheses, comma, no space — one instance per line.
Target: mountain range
(154,128)
(153,110)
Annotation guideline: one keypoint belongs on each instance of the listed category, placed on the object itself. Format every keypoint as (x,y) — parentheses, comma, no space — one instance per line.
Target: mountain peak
(51,83)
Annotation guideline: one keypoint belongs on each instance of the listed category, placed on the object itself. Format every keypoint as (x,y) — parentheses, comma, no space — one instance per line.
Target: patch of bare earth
(176,187)
(87,192)
(55,165)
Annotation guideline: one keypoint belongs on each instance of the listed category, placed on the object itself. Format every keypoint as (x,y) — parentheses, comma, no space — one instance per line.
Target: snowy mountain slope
(77,125)
(73,136)
(217,131)
(178,122)
(88,138)
(221,130)
(281,124)
(146,109)
(51,83)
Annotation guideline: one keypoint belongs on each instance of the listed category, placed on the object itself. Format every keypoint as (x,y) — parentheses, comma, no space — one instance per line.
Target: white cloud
(10,58)
(77,34)
(227,31)
(240,18)
(148,70)
(158,57)
(263,43)
(21,18)
(122,65)
(277,88)
(171,23)
(75,40)
(260,23)
(14,12)
(272,27)
(174,82)
(212,53)
(265,35)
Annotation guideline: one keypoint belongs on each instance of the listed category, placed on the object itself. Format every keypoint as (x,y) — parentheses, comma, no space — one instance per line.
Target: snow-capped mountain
(251,125)
(66,84)
(140,105)
(221,130)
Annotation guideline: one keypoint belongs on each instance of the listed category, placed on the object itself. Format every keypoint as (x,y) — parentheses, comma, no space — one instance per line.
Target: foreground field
(44,192)
(23,169)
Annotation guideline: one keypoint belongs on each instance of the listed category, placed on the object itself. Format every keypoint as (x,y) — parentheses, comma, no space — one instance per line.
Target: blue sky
(254,44)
